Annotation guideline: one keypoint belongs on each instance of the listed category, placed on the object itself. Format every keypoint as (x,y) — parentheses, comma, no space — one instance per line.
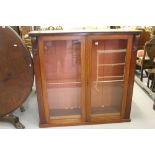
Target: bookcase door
(108,58)
(63,78)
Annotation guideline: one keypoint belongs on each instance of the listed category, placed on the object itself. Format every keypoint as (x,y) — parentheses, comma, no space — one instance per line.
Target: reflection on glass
(108,61)
(63,75)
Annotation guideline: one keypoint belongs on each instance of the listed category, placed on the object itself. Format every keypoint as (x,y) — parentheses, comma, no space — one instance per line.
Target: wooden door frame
(41,54)
(89,40)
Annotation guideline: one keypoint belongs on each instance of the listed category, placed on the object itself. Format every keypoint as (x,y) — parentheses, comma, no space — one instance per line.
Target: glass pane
(108,61)
(63,76)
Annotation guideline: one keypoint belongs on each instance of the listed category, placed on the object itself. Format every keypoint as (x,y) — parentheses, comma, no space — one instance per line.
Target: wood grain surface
(16,71)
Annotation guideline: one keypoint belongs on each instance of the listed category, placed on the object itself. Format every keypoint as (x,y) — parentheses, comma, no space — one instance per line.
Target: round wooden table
(16,71)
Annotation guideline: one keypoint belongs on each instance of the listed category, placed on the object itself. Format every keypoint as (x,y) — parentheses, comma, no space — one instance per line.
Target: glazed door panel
(64,77)
(106,76)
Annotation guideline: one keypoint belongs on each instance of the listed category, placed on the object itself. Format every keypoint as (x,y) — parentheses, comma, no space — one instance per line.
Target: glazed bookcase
(84,77)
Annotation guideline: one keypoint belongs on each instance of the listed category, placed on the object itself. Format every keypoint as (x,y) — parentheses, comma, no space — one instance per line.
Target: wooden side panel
(38,80)
(131,75)
(127,75)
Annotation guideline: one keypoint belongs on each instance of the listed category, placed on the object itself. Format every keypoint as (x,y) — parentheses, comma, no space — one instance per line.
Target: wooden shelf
(65,113)
(105,110)
(115,64)
(111,51)
(62,83)
(108,81)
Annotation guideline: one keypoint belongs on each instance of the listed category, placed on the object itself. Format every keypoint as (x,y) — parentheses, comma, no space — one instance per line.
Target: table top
(16,71)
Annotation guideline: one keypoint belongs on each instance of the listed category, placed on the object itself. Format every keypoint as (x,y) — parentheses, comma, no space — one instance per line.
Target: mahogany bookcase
(84,77)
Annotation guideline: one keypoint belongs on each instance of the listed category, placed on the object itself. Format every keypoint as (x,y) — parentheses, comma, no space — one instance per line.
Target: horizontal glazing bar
(111,51)
(116,64)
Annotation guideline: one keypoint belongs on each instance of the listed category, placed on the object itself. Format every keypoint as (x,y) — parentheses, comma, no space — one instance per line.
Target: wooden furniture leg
(22,109)
(12,119)
(148,81)
(141,76)
(154,106)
